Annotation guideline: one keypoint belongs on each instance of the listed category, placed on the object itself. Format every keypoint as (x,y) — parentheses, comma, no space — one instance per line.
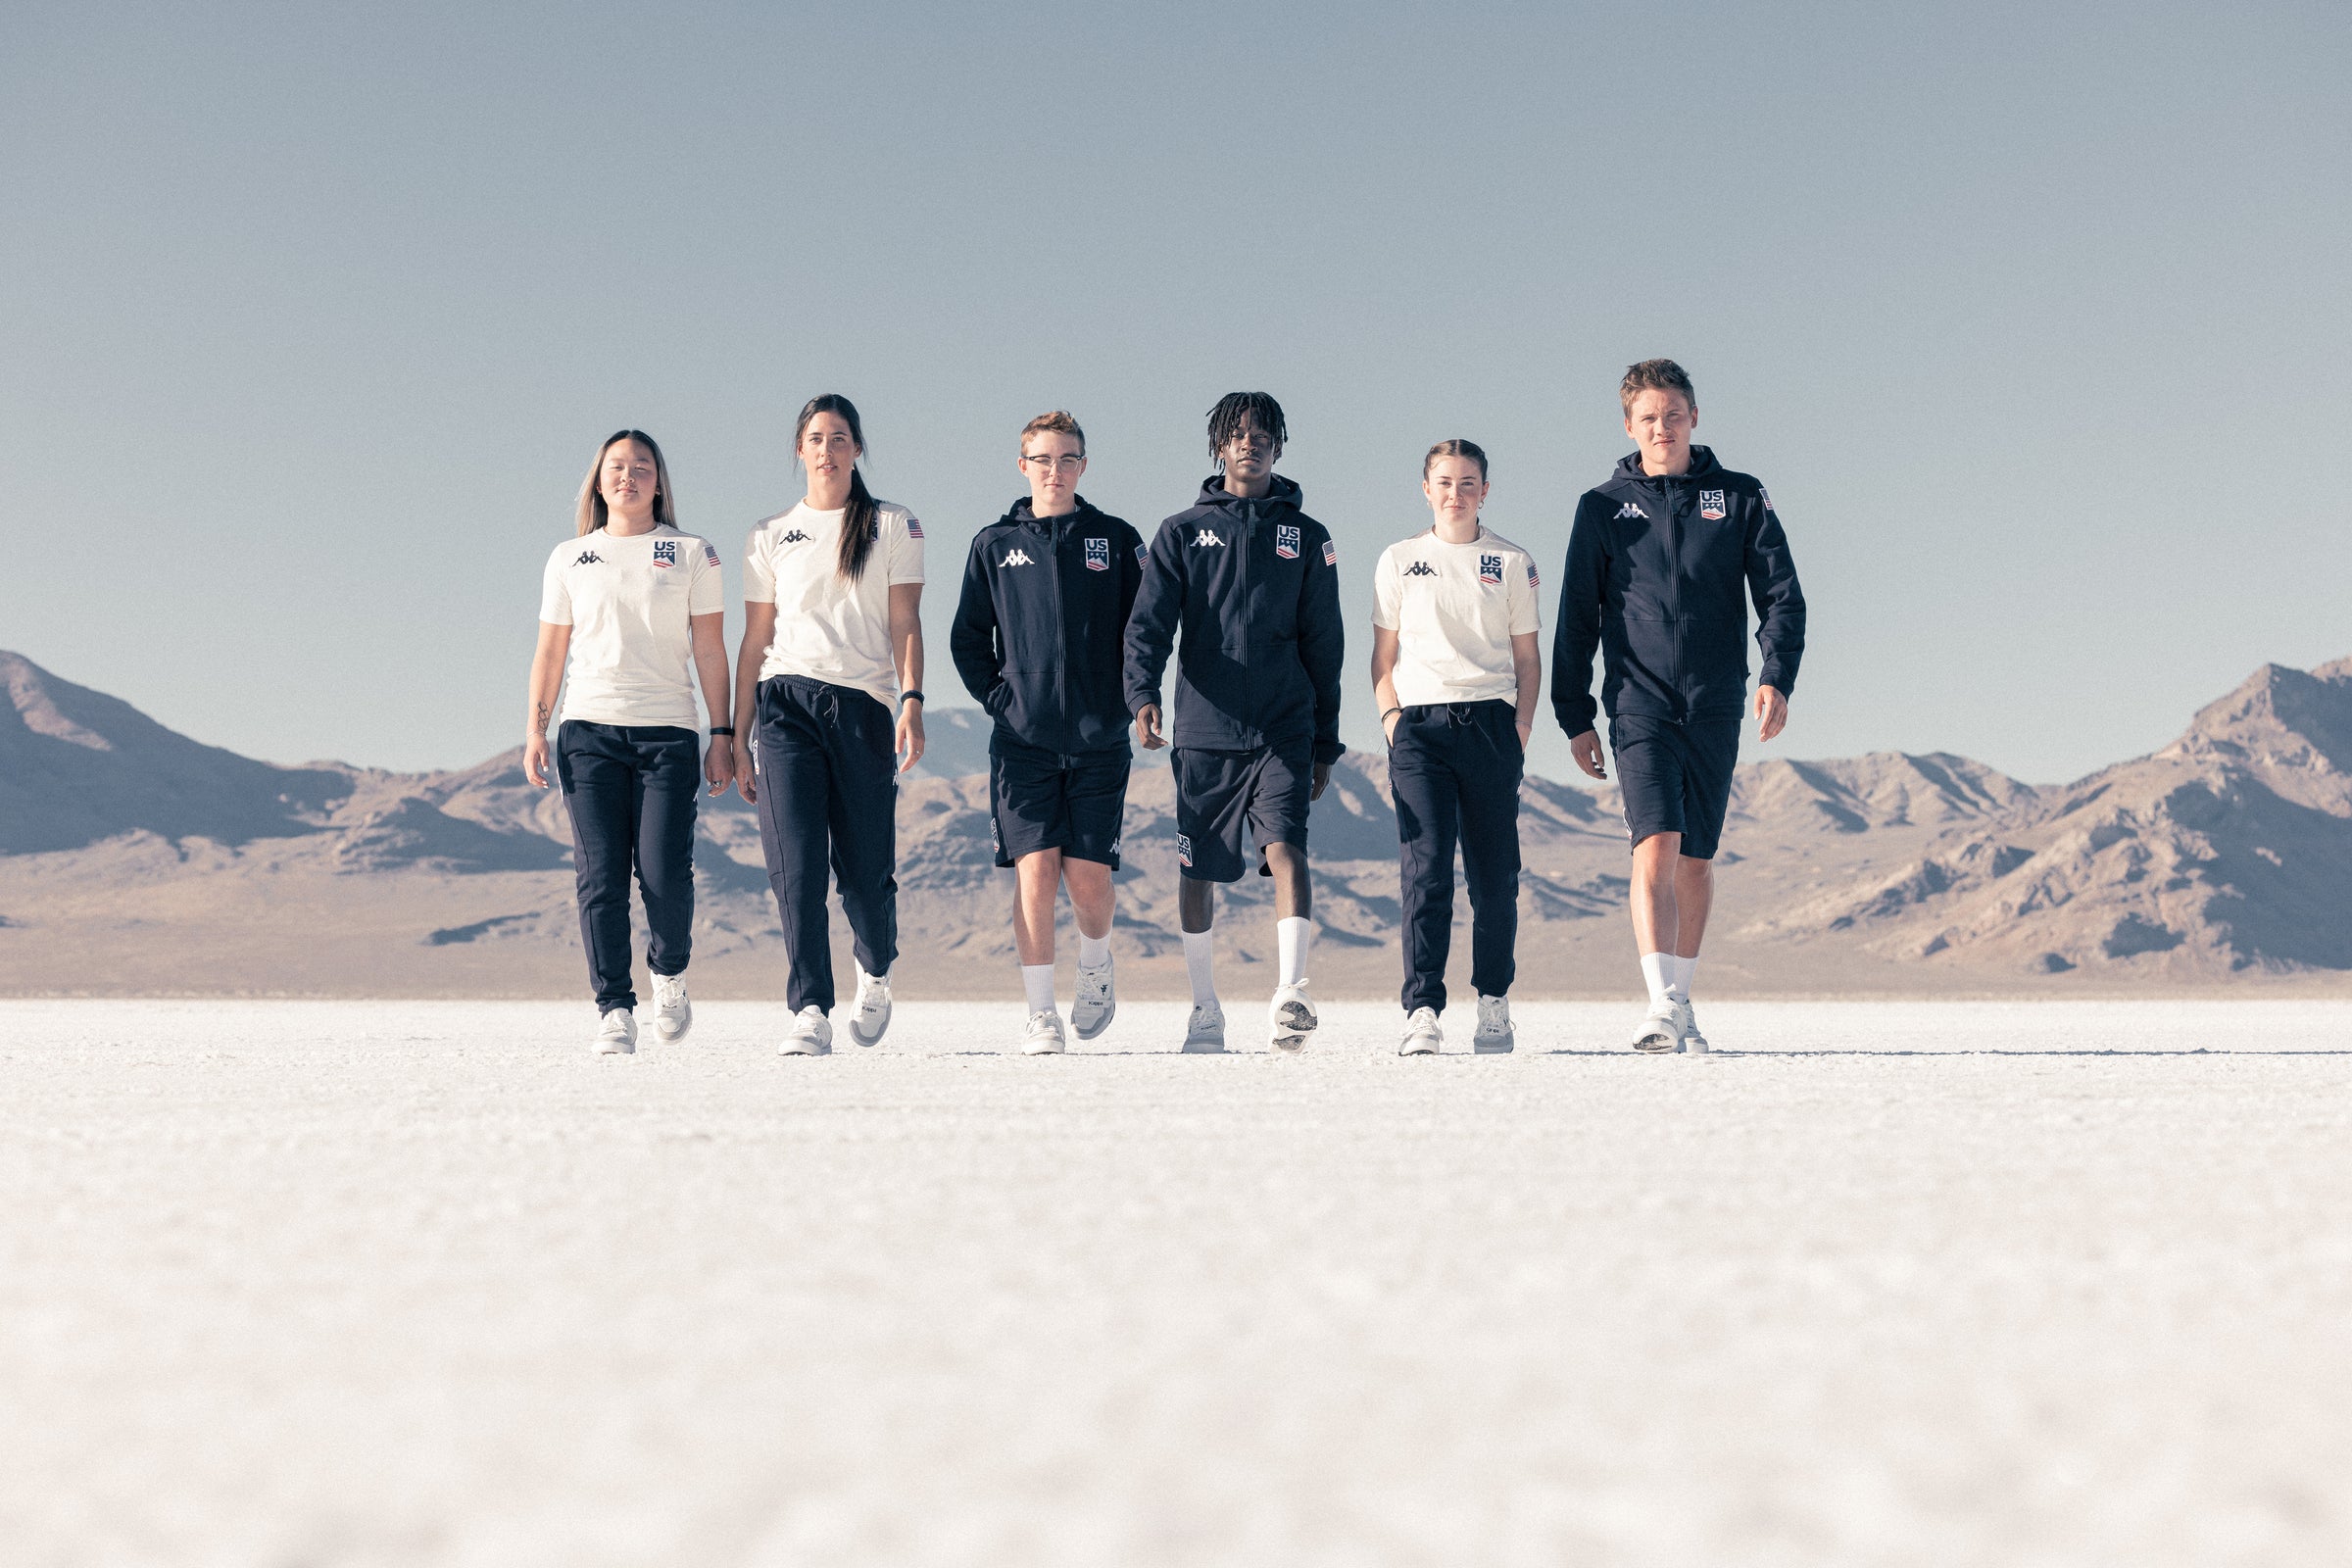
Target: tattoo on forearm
(539,717)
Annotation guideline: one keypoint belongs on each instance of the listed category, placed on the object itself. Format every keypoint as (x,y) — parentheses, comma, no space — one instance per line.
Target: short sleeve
(706,587)
(1387,593)
(905,540)
(555,598)
(1527,614)
(758,579)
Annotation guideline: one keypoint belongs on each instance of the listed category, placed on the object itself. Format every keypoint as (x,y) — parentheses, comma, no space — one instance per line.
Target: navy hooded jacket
(1656,569)
(1039,633)
(1255,588)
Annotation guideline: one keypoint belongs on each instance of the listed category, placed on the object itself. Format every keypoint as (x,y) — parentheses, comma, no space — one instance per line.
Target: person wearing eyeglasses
(632,613)
(828,712)
(1037,638)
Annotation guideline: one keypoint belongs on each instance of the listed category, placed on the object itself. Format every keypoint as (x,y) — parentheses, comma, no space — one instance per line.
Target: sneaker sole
(667,1036)
(1089,1034)
(869,1040)
(1495,1048)
(794,1048)
(606,1048)
(1416,1049)
(1044,1051)
(1659,1045)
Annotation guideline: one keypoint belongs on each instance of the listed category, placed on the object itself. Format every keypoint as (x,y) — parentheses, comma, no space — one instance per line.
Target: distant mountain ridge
(2227,850)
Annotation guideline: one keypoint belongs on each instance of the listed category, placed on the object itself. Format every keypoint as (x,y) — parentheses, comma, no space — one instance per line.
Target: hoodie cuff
(1780,680)
(1329,751)
(1577,717)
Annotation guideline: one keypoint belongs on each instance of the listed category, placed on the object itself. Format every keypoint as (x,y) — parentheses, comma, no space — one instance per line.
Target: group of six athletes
(1063,632)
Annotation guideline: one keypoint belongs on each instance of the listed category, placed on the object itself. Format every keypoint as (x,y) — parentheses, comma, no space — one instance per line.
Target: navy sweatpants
(1454,769)
(631,791)
(828,799)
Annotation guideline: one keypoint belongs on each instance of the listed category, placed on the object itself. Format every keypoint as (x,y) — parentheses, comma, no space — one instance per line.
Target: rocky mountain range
(137,861)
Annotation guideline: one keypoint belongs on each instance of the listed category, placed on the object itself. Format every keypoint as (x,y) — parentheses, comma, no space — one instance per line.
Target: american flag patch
(1143,552)
(1331,554)
(915,527)
(1533,581)
(710,552)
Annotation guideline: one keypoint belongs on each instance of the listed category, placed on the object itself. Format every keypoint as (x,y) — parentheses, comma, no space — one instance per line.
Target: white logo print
(1710,505)
(1018,558)
(1629,509)
(1206,536)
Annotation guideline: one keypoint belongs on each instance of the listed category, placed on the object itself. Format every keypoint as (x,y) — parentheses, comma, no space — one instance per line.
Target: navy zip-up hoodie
(1039,633)
(1254,587)
(1656,566)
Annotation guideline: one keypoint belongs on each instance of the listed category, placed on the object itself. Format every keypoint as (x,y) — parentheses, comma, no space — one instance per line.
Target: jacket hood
(1703,464)
(1284,493)
(1024,512)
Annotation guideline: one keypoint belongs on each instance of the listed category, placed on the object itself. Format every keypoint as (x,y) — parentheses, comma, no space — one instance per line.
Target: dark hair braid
(1236,410)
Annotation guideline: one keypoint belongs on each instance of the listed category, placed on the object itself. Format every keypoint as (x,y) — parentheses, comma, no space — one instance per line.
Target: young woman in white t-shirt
(828,712)
(630,605)
(1456,672)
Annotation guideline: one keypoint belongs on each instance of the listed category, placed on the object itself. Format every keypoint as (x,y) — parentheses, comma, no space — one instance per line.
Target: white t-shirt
(827,627)
(627,601)
(1455,609)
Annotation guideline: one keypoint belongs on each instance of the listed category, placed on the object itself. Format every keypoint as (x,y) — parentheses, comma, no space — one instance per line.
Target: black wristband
(722,729)
(909,697)
(1384,719)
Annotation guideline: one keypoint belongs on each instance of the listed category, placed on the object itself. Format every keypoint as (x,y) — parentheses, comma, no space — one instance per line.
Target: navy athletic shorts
(1676,778)
(1041,800)
(1217,790)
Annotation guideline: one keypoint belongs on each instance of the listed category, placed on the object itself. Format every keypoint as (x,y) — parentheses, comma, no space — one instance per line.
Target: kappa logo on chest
(796,537)
(1420,568)
(1097,554)
(1710,505)
(1286,541)
(1016,558)
(589,558)
(1206,536)
(1629,509)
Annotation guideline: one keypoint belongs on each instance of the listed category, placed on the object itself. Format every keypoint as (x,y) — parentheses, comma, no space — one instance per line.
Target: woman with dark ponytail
(828,712)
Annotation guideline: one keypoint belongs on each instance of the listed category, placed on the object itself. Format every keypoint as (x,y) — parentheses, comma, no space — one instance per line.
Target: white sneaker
(1204,1031)
(1096,1002)
(1044,1036)
(1661,1030)
(1290,1017)
(617,1033)
(870,1013)
(1422,1035)
(1694,1043)
(673,1014)
(1495,1037)
(810,1034)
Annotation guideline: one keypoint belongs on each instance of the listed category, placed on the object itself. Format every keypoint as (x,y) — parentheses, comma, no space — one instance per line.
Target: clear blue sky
(2034,317)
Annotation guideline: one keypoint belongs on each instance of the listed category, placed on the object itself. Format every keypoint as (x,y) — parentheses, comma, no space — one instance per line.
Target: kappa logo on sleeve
(589,558)
(1420,568)
(1206,536)
(1710,505)
(665,552)
(1286,541)
(1629,509)
(1183,849)
(1097,554)
(1331,554)
(1489,570)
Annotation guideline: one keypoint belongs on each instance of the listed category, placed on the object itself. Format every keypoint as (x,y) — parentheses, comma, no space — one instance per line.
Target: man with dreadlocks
(1252,583)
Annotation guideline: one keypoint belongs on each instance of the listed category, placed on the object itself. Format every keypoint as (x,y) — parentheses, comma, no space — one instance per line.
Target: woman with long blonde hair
(632,613)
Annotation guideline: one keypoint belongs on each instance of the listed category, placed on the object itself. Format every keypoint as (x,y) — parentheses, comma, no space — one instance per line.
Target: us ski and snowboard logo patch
(1710,505)
(1183,849)
(1489,570)
(665,552)
(1286,541)
(1097,554)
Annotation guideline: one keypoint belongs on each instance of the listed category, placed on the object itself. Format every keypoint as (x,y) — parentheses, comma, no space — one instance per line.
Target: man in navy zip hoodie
(1658,564)
(1252,583)
(1039,638)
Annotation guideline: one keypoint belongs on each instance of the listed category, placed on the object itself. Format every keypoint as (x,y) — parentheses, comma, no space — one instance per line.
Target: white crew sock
(1198,948)
(1037,979)
(1678,973)
(1092,952)
(1293,936)
(1654,973)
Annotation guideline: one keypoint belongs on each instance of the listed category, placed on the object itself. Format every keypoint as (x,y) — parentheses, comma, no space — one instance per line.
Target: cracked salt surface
(360,1284)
